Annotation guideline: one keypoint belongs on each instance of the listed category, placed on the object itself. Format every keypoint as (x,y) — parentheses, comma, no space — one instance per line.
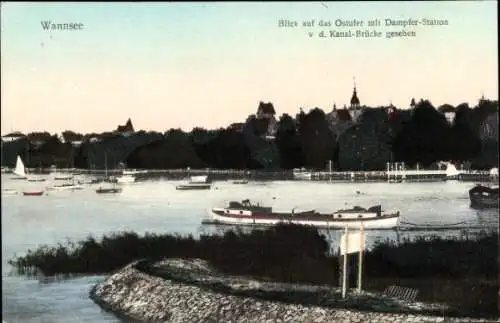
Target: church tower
(355,108)
(354,98)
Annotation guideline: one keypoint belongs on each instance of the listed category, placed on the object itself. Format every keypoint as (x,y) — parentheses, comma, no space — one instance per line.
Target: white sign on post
(351,243)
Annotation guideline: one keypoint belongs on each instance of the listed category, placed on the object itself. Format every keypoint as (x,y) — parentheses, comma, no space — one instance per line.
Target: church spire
(354,98)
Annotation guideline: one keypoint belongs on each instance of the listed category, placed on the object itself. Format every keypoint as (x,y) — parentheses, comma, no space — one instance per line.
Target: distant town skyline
(182,65)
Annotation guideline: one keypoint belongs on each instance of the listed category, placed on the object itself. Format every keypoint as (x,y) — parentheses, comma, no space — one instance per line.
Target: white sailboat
(20,170)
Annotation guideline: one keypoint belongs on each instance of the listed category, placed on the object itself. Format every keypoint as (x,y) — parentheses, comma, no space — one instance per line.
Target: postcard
(249,162)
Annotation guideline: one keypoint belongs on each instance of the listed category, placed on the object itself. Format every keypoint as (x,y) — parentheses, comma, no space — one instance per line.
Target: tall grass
(461,272)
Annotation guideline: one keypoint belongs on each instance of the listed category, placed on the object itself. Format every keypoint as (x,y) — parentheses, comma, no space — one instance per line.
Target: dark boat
(39,193)
(36,179)
(193,186)
(241,181)
(483,197)
(112,190)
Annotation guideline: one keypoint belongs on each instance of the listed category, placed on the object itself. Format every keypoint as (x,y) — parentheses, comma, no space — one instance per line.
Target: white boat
(133,172)
(124,179)
(20,170)
(9,191)
(301,174)
(245,213)
(196,183)
(62,177)
(69,185)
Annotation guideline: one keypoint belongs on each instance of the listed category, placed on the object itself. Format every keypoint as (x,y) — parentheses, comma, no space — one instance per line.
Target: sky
(182,65)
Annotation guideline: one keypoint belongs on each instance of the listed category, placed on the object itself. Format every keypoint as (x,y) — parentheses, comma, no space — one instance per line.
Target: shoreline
(194,293)
(381,176)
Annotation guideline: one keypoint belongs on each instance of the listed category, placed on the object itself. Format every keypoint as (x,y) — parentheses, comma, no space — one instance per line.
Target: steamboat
(246,213)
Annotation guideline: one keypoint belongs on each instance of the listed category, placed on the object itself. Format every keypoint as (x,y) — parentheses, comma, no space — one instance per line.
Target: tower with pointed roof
(354,98)
(355,107)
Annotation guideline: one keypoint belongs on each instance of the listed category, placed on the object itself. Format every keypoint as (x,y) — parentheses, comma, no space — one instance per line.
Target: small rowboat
(113,190)
(36,193)
(193,186)
(36,179)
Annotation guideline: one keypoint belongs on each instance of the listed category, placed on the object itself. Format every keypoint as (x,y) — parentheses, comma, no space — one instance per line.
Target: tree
(316,138)
(288,141)
(425,138)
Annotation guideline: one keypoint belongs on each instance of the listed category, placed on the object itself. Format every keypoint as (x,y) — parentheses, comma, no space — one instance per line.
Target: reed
(460,272)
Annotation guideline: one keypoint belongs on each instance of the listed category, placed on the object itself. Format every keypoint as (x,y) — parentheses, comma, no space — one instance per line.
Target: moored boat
(67,186)
(301,174)
(9,191)
(33,193)
(483,197)
(124,179)
(6,170)
(196,183)
(246,213)
(20,170)
(110,190)
(36,179)
(62,177)
(241,181)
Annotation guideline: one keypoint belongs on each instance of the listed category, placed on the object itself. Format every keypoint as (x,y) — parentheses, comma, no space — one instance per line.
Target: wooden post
(360,262)
(344,271)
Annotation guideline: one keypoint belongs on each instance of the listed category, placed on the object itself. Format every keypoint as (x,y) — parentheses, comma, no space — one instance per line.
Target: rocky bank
(190,291)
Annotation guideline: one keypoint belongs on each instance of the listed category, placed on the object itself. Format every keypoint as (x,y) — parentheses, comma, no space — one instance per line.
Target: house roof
(267,108)
(446,108)
(344,115)
(15,134)
(127,127)
(236,125)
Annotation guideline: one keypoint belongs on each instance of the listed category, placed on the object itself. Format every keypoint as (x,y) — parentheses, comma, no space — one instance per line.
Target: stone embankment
(190,291)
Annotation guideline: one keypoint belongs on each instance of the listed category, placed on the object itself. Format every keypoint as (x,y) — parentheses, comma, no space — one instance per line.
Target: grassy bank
(461,273)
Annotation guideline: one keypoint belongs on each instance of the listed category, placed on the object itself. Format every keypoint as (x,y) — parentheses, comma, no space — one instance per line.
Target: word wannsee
(49,25)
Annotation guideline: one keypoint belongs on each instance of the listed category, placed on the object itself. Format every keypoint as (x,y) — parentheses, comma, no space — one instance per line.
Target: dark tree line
(418,135)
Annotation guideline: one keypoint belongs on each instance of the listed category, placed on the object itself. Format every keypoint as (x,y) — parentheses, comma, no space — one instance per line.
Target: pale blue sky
(209,64)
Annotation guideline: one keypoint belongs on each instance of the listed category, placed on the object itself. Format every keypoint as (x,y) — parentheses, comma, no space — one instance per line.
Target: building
(237,126)
(448,111)
(338,120)
(13,136)
(267,115)
(127,129)
(355,109)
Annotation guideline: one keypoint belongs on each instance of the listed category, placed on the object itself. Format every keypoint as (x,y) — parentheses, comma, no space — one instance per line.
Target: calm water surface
(155,206)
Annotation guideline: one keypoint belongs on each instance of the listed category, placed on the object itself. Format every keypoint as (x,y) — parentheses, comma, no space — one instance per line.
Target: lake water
(155,206)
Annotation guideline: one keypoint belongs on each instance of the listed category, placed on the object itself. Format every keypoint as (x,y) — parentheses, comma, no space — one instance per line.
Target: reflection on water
(156,206)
